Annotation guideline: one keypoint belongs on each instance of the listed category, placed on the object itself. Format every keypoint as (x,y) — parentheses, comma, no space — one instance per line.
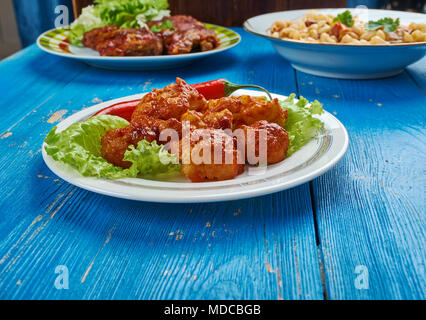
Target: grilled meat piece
(115,41)
(188,35)
(95,36)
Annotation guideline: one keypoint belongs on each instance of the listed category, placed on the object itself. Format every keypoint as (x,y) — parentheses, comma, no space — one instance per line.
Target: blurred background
(21,21)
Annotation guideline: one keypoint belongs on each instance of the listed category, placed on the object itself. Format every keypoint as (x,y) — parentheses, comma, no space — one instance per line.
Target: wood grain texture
(370,207)
(417,71)
(78,5)
(261,248)
(43,78)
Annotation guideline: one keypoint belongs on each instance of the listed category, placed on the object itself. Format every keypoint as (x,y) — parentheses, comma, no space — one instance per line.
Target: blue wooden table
(357,232)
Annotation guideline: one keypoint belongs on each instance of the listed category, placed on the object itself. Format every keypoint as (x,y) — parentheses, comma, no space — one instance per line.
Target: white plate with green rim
(55,42)
(315,158)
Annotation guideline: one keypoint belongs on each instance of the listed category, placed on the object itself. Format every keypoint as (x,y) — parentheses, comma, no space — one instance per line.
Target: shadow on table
(204,66)
(157,223)
(359,93)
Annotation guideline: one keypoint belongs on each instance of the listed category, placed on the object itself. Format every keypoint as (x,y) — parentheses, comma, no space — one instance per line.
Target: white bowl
(344,61)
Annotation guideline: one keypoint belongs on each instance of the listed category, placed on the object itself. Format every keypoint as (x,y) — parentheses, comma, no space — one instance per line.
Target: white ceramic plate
(343,60)
(315,158)
(54,42)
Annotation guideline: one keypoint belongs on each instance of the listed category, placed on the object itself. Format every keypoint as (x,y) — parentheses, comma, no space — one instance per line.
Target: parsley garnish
(388,24)
(345,18)
(166,24)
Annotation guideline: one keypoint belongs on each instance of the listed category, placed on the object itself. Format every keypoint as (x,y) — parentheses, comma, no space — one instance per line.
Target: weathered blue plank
(418,72)
(370,207)
(140,250)
(28,79)
(261,248)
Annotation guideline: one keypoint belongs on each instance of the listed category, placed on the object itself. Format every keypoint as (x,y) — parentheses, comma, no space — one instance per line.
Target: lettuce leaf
(88,20)
(80,146)
(124,13)
(151,160)
(301,124)
(120,13)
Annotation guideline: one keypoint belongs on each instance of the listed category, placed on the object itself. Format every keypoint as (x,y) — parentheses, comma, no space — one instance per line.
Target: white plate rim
(98,186)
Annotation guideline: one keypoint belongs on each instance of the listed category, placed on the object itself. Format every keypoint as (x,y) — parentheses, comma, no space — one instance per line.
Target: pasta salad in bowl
(345,43)
(344,28)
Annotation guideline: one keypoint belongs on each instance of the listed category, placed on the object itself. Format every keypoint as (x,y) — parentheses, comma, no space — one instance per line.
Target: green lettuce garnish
(151,160)
(88,20)
(80,146)
(128,13)
(120,13)
(166,24)
(345,18)
(388,24)
(301,124)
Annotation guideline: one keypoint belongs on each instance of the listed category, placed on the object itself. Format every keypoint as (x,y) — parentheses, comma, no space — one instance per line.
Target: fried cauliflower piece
(215,120)
(115,142)
(157,111)
(214,153)
(277,140)
(247,110)
(213,157)
(170,102)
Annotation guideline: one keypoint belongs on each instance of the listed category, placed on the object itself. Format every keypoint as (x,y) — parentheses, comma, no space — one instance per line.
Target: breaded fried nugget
(215,155)
(170,102)
(277,140)
(222,160)
(215,120)
(115,142)
(247,110)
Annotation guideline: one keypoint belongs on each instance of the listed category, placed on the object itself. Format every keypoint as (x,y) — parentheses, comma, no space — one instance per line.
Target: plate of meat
(170,42)
(195,143)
